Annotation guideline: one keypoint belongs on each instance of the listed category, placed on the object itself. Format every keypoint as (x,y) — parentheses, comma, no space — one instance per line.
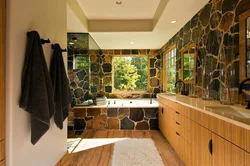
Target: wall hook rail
(53,46)
(43,41)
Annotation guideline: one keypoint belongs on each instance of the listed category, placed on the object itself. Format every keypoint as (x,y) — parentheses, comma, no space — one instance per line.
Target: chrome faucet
(240,91)
(184,92)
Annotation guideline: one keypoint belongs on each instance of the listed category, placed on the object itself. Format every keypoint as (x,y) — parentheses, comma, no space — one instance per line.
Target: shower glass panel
(79,66)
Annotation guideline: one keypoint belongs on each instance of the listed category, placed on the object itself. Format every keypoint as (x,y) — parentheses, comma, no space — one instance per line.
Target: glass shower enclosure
(79,46)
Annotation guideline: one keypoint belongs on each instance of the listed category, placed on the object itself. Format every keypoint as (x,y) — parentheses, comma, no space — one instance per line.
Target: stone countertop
(202,106)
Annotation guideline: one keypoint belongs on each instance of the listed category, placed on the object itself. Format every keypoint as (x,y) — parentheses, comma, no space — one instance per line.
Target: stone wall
(79,78)
(98,80)
(101,69)
(115,118)
(215,30)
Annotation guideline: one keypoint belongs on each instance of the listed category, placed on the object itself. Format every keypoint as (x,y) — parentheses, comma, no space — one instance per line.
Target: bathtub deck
(102,155)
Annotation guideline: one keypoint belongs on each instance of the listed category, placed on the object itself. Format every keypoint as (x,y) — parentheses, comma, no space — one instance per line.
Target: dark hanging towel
(60,82)
(37,92)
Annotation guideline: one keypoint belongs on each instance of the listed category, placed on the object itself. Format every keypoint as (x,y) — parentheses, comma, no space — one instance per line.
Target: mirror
(245,45)
(188,68)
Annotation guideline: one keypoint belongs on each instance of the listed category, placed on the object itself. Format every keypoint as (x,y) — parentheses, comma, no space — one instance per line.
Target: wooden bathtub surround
(2,83)
(102,155)
(190,129)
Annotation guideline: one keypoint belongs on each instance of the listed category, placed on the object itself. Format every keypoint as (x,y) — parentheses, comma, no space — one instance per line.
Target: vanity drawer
(184,110)
(185,123)
(187,137)
(177,116)
(177,127)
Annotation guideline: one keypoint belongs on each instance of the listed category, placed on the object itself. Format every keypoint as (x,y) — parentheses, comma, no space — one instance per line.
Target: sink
(230,112)
(170,94)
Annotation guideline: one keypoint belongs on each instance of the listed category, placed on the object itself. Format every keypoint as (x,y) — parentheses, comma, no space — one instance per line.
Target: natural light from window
(170,67)
(130,73)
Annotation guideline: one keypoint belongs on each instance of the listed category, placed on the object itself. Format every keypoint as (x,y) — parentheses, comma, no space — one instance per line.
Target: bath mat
(136,152)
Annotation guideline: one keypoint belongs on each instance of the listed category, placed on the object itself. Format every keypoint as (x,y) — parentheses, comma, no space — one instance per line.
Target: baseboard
(62,160)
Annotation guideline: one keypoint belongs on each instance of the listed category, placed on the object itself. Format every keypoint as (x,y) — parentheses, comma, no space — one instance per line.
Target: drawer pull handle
(177,133)
(177,123)
(210,146)
(177,112)
(162,110)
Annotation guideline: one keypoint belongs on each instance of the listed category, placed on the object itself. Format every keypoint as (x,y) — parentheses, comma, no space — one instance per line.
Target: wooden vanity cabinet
(176,128)
(201,139)
(210,149)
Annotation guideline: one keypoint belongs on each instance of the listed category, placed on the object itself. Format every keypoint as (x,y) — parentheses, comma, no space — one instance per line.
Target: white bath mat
(136,152)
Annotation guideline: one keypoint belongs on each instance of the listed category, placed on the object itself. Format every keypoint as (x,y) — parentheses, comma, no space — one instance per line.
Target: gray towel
(60,82)
(37,93)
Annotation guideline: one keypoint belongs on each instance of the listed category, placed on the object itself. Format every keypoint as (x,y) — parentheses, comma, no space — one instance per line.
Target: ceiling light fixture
(173,21)
(118,2)
(132,42)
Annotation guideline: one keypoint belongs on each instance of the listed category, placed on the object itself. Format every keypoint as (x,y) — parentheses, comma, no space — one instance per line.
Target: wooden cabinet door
(161,118)
(226,153)
(200,138)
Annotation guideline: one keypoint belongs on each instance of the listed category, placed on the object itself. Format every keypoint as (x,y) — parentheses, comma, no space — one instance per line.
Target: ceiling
(146,23)
(109,10)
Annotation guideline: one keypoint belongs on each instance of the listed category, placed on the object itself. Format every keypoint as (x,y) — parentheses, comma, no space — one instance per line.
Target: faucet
(184,87)
(240,91)
(151,96)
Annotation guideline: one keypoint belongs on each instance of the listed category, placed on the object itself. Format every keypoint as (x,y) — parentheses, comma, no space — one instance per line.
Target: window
(81,62)
(170,70)
(130,73)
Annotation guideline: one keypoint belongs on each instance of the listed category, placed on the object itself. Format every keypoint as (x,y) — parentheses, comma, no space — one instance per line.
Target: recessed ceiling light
(71,43)
(118,2)
(173,21)
(132,42)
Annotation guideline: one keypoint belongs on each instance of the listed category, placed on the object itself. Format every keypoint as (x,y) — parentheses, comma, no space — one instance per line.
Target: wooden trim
(170,48)
(242,58)
(164,78)
(182,62)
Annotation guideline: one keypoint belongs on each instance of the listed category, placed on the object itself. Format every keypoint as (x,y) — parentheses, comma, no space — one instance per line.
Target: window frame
(130,92)
(164,77)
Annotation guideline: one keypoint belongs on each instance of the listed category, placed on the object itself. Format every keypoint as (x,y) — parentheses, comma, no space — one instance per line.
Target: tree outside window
(130,73)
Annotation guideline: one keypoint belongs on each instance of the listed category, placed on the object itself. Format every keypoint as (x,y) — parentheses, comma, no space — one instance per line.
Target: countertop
(202,106)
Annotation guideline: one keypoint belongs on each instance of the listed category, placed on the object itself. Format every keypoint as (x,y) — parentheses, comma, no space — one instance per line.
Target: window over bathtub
(130,73)
(169,69)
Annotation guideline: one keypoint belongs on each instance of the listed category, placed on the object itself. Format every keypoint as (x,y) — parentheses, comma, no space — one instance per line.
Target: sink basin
(170,94)
(230,112)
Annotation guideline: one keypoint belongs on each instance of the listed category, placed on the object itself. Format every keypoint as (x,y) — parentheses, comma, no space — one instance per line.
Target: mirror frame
(182,63)
(242,58)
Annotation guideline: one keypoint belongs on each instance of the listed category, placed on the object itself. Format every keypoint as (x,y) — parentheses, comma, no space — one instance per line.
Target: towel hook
(53,46)
(43,41)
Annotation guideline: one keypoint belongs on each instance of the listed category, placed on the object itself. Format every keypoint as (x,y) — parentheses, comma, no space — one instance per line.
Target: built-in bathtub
(132,103)
(118,114)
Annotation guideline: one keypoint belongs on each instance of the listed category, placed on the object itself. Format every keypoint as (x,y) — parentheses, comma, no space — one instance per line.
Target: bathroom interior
(189,95)
(205,65)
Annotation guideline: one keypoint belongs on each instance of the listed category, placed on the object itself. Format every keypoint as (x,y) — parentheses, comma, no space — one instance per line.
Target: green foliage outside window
(82,62)
(171,70)
(188,63)
(130,73)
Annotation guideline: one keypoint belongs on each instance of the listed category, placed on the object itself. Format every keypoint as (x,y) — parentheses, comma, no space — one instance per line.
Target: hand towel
(60,82)
(37,93)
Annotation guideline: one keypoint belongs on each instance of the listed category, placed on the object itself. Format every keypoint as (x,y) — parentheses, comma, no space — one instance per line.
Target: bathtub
(132,103)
